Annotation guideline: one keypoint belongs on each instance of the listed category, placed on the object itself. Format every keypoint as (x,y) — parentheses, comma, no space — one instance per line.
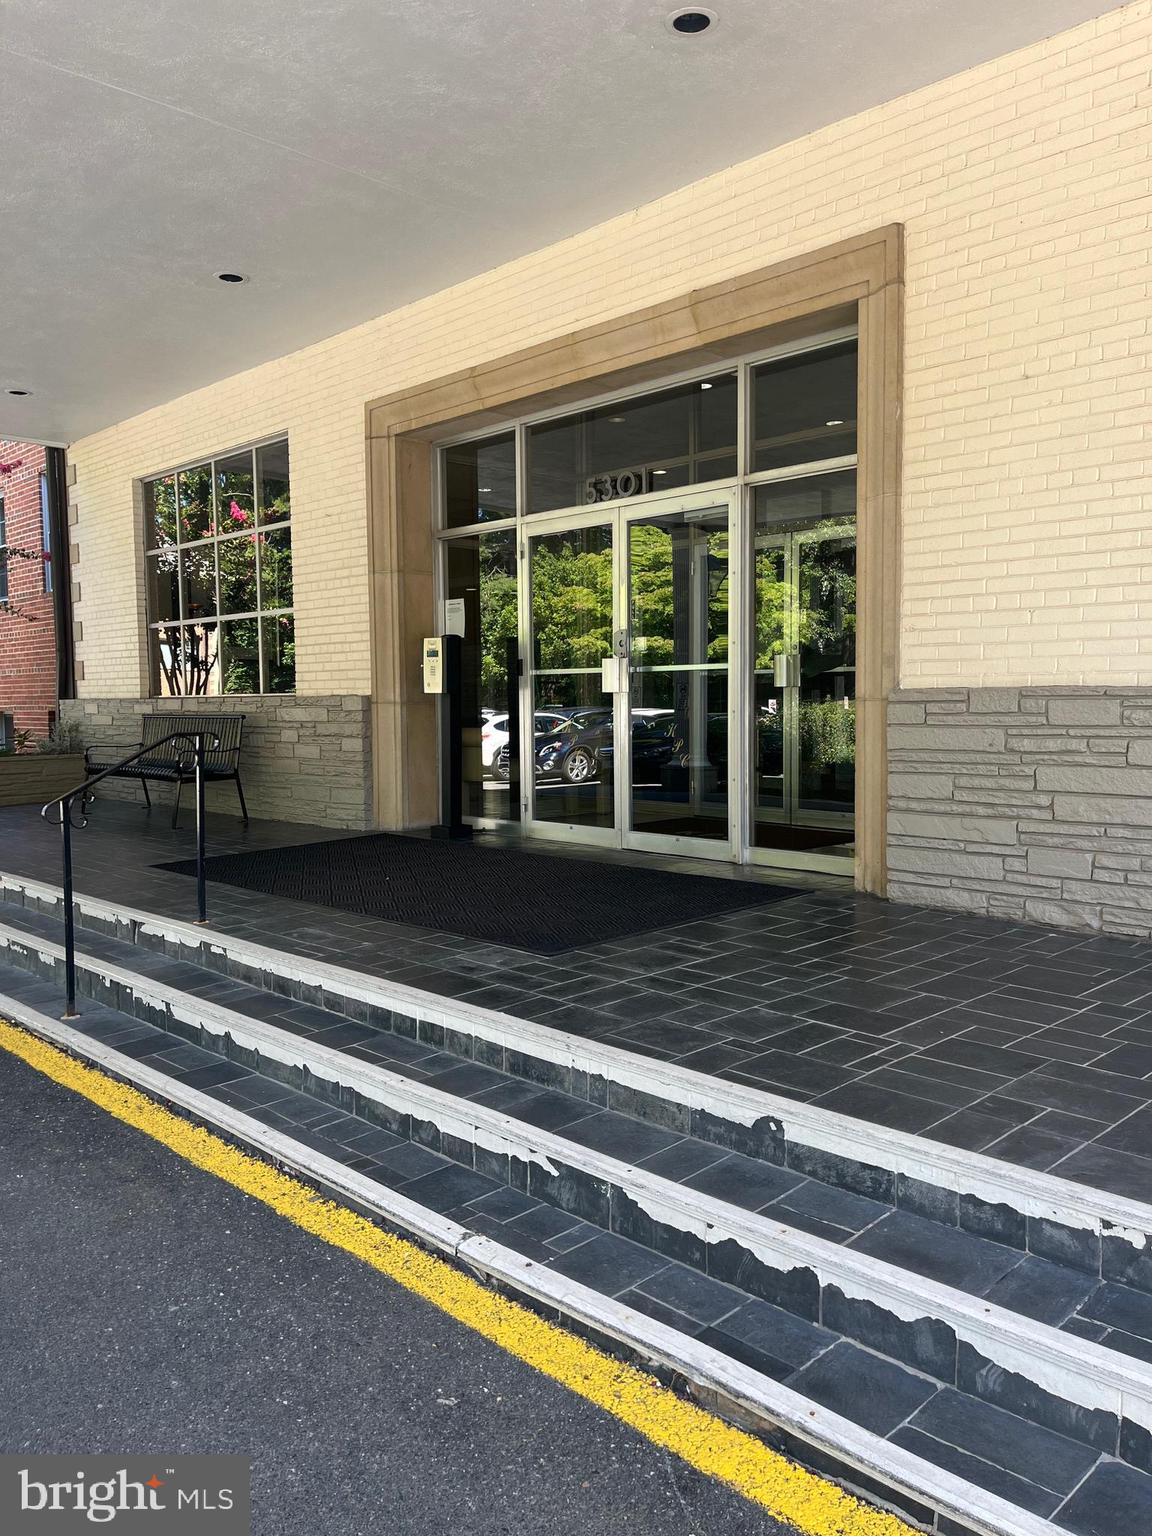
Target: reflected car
(582,747)
(494,734)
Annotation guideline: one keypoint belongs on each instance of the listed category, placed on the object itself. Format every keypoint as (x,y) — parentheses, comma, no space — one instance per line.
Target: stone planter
(33,778)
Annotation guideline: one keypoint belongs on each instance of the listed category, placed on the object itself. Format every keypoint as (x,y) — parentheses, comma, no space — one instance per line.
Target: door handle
(612,674)
(785,669)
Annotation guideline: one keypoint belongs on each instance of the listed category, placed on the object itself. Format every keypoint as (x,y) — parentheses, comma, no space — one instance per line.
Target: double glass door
(672,675)
(629,622)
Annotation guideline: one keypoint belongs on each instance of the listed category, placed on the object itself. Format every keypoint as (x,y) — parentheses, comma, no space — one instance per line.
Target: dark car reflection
(581,749)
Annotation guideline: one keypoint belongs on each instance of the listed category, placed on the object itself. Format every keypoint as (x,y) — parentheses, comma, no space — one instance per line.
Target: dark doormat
(532,901)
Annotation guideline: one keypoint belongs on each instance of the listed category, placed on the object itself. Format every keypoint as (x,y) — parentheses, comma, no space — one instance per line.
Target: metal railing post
(69,914)
(64,804)
(201,879)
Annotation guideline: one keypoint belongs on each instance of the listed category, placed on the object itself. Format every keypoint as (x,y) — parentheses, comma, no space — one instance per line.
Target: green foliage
(827,733)
(572,615)
(571,602)
(497,616)
(21,742)
(825,618)
(63,740)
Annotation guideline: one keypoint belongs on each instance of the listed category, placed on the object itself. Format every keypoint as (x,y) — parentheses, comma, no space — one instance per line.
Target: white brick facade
(1025,190)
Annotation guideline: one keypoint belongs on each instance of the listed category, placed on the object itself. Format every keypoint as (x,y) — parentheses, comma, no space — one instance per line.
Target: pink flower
(238,513)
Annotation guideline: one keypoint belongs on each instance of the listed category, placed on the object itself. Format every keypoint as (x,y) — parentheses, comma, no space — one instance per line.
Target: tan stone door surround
(858,280)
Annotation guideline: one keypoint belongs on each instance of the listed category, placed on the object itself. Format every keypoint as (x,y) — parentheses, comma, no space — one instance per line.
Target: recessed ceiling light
(19,391)
(231,277)
(616,421)
(659,471)
(485,490)
(705,386)
(836,423)
(691,23)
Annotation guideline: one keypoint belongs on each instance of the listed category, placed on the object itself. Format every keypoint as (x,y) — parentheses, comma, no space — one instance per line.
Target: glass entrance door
(627,683)
(678,605)
(569,736)
(804,668)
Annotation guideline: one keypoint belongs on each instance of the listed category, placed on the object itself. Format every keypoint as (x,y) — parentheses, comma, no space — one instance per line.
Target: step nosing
(1032,1192)
(1013,1341)
(851,1446)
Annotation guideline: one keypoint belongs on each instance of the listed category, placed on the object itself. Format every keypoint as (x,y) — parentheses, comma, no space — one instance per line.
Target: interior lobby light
(705,385)
(836,423)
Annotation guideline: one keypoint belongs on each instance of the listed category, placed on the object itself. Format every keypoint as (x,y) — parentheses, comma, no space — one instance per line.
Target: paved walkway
(1031,1045)
(150,1307)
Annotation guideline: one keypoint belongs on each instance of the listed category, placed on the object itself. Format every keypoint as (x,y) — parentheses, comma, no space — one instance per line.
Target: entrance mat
(532,901)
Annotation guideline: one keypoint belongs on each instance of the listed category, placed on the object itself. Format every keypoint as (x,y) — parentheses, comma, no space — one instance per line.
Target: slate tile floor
(1031,1045)
(1083,1491)
(911,1239)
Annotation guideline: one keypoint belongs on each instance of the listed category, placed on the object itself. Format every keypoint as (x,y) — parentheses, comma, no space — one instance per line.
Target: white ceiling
(352,155)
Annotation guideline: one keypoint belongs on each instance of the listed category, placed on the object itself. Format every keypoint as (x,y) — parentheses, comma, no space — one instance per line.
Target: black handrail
(65,802)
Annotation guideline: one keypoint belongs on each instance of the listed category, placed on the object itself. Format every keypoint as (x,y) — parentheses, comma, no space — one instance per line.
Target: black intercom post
(443,674)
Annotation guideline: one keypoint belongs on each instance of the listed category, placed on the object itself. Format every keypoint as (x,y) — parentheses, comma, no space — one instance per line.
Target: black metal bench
(174,763)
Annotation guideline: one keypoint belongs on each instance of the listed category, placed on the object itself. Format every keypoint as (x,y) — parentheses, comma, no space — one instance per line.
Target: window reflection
(220,546)
(804,408)
(238,574)
(804,650)
(679,595)
(186,660)
(480,481)
(679,436)
(481,574)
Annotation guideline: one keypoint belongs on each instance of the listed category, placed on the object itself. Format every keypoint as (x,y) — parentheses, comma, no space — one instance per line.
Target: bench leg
(147,796)
(240,792)
(176,806)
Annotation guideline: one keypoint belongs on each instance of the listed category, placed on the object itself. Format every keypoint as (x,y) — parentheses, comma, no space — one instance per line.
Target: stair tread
(1055,1294)
(1031,1466)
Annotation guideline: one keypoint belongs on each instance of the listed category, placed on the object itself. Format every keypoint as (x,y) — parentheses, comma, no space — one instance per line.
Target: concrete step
(1047,1217)
(962,1381)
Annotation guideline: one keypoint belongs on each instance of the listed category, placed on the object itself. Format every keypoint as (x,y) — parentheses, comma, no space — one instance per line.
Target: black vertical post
(201,885)
(452,824)
(69,916)
(512,704)
(56,477)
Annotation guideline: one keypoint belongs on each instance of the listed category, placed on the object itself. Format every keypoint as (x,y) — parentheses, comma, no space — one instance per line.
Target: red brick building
(28,670)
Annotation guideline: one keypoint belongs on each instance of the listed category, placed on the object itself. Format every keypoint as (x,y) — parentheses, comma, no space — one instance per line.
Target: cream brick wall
(1025,188)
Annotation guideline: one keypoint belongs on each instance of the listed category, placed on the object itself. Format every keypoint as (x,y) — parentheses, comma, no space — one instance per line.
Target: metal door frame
(738,491)
(619,516)
(544,524)
(789,814)
(719,850)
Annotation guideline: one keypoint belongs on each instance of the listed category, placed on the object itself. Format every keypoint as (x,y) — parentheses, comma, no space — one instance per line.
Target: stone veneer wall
(1031,803)
(303,759)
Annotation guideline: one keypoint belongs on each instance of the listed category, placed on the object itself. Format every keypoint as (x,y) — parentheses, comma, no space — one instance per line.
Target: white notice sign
(454,623)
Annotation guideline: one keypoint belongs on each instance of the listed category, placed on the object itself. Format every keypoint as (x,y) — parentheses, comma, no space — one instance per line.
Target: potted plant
(36,770)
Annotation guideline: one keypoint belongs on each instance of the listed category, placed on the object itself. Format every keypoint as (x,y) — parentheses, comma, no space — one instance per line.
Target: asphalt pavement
(146,1306)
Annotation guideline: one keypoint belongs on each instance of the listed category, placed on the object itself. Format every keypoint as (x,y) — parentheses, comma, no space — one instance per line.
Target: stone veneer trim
(1024,803)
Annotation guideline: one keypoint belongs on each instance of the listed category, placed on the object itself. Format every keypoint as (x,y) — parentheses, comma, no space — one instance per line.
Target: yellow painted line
(810,1503)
